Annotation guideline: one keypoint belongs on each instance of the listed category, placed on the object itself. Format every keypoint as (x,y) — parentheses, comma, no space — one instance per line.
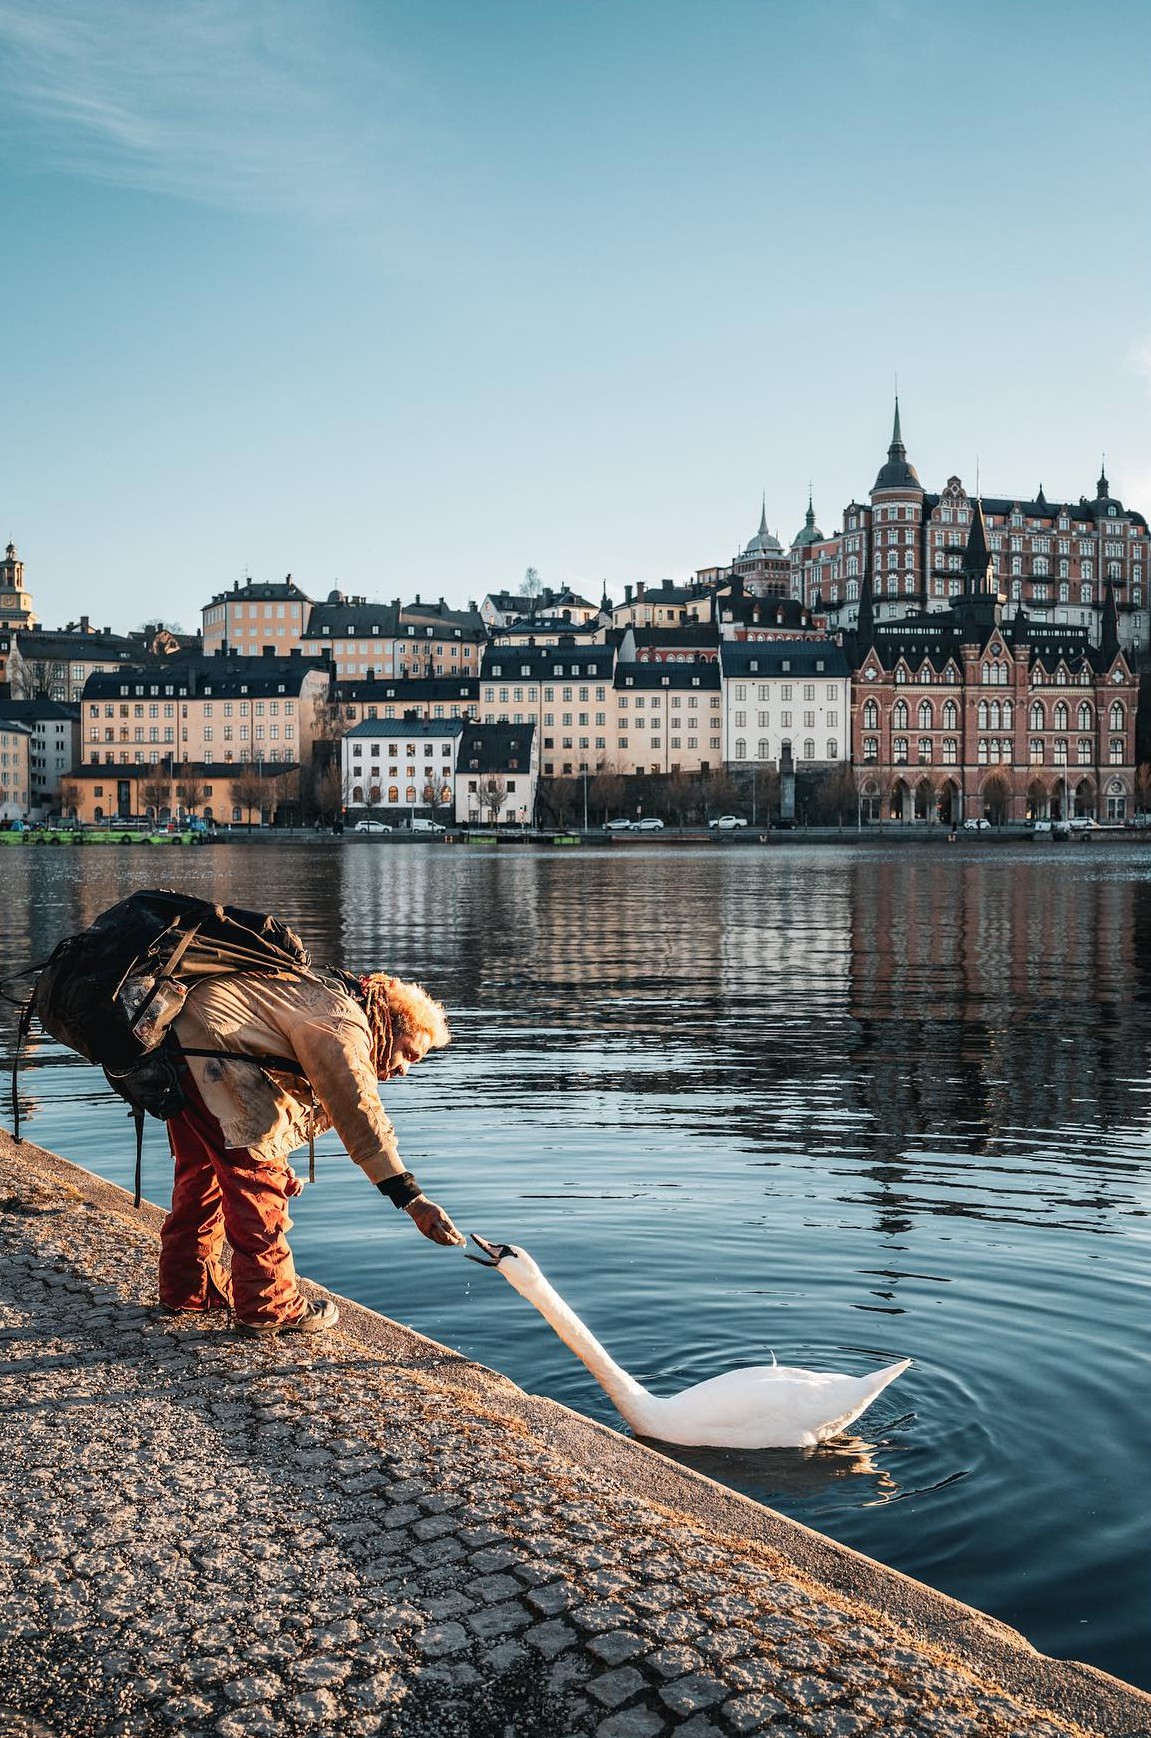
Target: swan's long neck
(621,1388)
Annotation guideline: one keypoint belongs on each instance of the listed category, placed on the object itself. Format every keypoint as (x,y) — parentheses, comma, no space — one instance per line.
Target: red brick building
(958,712)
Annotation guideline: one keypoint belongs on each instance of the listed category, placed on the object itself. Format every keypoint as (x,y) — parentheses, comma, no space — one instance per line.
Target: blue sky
(408,297)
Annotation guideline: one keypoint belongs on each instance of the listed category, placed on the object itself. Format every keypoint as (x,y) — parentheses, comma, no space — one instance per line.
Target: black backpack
(112,991)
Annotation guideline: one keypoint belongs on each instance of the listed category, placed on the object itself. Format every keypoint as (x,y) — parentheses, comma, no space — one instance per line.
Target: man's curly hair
(396,1010)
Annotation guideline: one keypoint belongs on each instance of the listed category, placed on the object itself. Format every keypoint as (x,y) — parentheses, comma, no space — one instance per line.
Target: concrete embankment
(204,1534)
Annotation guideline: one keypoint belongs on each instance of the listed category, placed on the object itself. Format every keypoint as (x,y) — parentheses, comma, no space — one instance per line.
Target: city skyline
(407,301)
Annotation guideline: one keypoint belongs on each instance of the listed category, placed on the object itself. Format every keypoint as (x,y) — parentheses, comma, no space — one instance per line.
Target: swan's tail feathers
(870,1387)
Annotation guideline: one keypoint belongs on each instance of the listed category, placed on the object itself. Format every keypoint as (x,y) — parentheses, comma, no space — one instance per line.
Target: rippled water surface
(839,1104)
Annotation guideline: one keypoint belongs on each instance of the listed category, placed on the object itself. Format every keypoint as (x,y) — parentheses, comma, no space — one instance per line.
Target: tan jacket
(319,1026)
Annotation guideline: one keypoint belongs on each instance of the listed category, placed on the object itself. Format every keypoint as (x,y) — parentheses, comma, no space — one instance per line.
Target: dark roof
(40,711)
(205,676)
(373,688)
(182,771)
(35,645)
(341,615)
(265,591)
(699,674)
(495,748)
(563,662)
(783,658)
(376,727)
(420,614)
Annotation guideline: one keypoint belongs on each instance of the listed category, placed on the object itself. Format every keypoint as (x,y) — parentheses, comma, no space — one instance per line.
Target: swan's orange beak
(493,1253)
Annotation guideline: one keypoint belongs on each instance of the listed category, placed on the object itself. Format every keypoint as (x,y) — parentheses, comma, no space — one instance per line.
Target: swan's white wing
(764,1406)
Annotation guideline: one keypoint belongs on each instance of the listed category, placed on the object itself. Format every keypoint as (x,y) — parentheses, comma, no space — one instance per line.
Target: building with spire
(763,565)
(972,712)
(1053,559)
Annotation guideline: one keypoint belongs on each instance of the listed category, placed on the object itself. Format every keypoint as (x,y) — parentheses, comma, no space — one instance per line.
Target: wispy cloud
(255,105)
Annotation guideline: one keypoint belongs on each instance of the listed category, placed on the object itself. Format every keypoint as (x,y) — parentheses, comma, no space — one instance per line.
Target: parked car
(372,827)
(976,824)
(727,823)
(1041,826)
(420,824)
(1084,824)
(1139,820)
(620,825)
(649,824)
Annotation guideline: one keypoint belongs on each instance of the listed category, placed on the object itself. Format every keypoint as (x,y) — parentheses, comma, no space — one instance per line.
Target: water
(843,1105)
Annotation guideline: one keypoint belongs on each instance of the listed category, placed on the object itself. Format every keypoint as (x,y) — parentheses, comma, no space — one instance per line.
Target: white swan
(763,1406)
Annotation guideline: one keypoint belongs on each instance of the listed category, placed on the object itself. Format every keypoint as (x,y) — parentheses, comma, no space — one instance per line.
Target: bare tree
(70,797)
(681,794)
(560,795)
(997,797)
(157,794)
(326,791)
(248,791)
(190,793)
(531,583)
(39,679)
(493,794)
(608,790)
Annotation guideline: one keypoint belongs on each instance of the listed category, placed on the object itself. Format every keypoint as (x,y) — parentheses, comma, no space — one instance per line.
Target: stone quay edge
(211,1535)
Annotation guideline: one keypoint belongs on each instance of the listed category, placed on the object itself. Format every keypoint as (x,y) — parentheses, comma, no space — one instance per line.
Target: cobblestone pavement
(204,1534)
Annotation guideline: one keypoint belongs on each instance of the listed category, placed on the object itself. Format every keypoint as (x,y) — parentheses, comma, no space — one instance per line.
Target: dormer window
(785,664)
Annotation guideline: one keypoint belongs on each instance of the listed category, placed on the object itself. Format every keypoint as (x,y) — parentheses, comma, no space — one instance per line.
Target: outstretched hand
(433,1221)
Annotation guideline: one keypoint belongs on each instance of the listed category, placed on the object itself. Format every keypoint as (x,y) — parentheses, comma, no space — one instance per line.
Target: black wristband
(402,1190)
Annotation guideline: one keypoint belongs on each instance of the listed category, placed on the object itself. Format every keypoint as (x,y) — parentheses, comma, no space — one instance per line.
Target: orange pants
(226,1193)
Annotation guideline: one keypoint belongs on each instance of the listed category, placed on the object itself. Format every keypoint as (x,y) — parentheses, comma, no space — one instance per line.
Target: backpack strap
(22,1030)
(138,1119)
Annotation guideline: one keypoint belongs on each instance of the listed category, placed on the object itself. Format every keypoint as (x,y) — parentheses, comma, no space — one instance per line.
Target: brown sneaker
(314,1319)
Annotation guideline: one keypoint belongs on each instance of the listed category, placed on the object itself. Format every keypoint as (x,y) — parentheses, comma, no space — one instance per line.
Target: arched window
(925,751)
(899,715)
(871,749)
(925,720)
(1035,751)
(1085,718)
(1115,751)
(1037,720)
(950,715)
(983,715)
(1118,716)
(983,751)
(832,748)
(764,748)
(740,748)
(393,794)
(899,750)
(993,715)
(1008,715)
(1061,715)
(809,748)
(358,794)
(1083,751)
(870,715)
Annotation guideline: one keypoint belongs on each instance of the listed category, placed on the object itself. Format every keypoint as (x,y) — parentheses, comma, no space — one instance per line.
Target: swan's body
(763,1406)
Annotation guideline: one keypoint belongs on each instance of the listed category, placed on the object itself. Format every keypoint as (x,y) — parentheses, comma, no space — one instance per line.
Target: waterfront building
(55,664)
(968,712)
(497,774)
(15,769)
(394,641)
(412,697)
(506,609)
(662,606)
(1055,559)
(256,619)
(400,766)
(668,718)
(785,693)
(16,611)
(53,747)
(211,711)
(762,566)
(565,690)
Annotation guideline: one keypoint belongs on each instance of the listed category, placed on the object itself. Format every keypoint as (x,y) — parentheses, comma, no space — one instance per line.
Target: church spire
(896,450)
(763,516)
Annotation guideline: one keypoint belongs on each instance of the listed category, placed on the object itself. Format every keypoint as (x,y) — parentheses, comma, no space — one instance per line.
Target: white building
(788,690)
(401,766)
(497,774)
